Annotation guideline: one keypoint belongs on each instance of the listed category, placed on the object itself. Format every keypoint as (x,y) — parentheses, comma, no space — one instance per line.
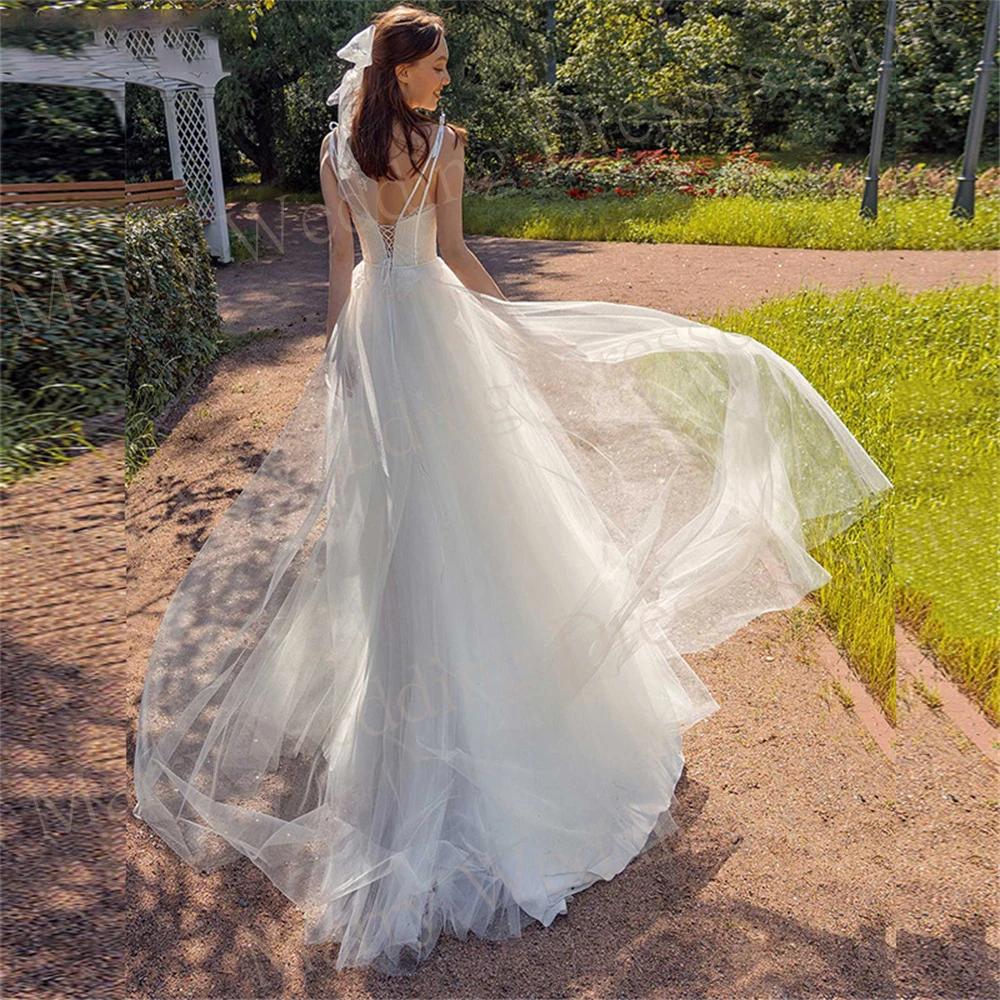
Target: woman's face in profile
(422,80)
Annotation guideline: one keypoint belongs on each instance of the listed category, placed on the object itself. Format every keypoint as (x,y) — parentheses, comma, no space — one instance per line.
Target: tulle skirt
(426,673)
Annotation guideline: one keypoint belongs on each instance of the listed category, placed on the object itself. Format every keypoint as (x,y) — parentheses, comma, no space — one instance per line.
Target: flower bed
(741,172)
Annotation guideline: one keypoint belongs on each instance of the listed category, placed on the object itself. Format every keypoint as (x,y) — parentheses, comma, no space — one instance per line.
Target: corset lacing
(388,233)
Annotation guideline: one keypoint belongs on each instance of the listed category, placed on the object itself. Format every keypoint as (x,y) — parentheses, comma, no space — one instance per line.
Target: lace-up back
(412,238)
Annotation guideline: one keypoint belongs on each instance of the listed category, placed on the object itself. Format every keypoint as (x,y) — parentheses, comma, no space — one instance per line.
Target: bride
(426,673)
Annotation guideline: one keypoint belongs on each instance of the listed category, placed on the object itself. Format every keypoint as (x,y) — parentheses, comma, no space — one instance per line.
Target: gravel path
(62,546)
(290,292)
(807,864)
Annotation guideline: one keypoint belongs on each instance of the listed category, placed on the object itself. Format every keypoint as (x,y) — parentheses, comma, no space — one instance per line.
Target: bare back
(393,195)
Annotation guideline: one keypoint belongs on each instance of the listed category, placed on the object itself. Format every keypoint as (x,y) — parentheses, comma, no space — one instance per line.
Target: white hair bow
(358,51)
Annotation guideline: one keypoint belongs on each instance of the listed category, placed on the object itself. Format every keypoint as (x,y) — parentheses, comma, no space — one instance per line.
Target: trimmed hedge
(62,343)
(104,312)
(173,322)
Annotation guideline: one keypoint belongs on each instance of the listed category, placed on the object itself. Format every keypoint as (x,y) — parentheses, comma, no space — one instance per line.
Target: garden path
(808,862)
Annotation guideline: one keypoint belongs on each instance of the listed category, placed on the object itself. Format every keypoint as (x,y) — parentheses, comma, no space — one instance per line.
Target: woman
(426,673)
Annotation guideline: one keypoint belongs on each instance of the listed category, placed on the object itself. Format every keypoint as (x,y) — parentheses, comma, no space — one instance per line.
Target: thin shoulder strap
(429,168)
(333,151)
(433,160)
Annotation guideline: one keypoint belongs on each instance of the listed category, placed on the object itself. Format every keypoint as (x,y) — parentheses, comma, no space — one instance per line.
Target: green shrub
(173,326)
(62,345)
(104,312)
(741,172)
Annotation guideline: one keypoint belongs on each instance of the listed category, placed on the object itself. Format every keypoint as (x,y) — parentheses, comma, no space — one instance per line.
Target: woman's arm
(338,217)
(451,239)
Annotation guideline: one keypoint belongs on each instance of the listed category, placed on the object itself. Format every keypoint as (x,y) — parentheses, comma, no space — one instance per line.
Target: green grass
(948,461)
(34,439)
(915,378)
(817,223)
(915,224)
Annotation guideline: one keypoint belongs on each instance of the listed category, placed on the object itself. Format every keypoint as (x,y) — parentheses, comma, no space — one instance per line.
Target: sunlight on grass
(948,457)
(916,224)
(841,344)
(915,380)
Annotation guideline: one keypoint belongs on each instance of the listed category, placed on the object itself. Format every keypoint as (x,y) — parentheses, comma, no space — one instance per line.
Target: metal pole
(869,200)
(963,207)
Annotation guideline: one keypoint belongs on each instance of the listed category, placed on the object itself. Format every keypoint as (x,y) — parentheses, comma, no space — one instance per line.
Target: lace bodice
(412,239)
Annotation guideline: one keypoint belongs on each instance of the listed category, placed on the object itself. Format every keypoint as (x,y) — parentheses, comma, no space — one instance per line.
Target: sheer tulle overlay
(426,673)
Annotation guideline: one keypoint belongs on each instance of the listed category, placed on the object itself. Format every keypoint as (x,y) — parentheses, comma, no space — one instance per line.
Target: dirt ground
(289,292)
(808,864)
(63,643)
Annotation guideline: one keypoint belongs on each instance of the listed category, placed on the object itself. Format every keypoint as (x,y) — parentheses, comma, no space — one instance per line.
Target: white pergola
(180,61)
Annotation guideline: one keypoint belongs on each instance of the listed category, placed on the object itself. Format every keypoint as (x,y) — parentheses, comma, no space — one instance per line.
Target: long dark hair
(403,33)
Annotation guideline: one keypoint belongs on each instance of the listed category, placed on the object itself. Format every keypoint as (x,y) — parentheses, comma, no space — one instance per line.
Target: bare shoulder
(452,143)
(324,149)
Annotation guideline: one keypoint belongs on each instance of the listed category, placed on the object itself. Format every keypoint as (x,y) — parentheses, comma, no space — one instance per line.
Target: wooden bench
(95,193)
(156,192)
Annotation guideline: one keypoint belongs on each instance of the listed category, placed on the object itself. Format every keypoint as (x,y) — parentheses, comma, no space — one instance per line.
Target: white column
(117,97)
(170,113)
(218,230)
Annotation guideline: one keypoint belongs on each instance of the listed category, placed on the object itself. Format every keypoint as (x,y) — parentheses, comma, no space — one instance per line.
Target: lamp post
(869,200)
(963,206)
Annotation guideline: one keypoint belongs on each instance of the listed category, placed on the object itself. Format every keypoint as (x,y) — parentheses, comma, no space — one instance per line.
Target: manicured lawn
(947,414)
(915,379)
(912,224)
(841,345)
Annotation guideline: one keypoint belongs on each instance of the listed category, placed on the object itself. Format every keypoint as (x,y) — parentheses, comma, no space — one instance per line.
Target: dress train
(427,671)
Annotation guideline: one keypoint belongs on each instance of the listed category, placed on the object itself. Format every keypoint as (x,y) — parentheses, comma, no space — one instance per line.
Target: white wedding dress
(426,672)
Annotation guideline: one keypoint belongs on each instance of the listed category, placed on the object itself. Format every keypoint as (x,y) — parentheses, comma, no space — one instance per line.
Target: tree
(292,43)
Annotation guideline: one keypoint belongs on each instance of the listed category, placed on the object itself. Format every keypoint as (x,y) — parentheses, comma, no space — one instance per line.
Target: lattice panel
(192,137)
(189,41)
(140,44)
